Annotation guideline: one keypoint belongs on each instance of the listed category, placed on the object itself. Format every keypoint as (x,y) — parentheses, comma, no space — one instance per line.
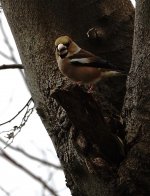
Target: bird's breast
(79,73)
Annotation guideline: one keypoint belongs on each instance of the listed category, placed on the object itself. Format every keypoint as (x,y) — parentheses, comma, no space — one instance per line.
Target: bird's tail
(108,74)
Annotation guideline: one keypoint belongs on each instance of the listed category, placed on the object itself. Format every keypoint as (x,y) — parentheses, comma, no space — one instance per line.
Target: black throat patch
(63,55)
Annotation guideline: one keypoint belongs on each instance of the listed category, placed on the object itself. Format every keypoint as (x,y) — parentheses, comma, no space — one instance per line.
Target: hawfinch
(80,65)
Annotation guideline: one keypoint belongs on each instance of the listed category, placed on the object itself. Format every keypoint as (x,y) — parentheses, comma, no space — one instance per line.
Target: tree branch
(10,48)
(31,156)
(10,159)
(27,104)
(11,66)
(6,40)
(6,193)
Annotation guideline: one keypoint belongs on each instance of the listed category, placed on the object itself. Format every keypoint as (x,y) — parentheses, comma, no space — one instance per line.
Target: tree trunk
(135,173)
(83,127)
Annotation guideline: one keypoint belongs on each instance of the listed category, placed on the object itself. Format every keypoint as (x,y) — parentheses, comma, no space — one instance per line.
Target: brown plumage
(80,65)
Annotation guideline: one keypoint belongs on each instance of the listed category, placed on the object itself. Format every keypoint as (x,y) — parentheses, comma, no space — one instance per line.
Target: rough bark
(81,139)
(136,171)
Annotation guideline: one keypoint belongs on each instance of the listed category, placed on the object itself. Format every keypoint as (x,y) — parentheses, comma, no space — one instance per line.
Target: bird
(84,67)
(80,65)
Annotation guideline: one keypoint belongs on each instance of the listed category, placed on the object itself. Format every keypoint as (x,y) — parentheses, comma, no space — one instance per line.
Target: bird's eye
(67,44)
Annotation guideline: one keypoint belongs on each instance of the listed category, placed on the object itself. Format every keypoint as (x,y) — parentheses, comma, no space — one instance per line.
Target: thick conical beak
(62,50)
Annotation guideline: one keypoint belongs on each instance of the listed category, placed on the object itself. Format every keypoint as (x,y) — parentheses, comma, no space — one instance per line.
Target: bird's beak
(62,49)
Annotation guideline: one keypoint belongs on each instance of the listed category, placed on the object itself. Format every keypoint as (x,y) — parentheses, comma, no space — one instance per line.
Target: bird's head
(65,46)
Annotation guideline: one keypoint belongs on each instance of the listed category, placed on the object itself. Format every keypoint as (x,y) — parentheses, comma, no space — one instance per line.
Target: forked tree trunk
(81,125)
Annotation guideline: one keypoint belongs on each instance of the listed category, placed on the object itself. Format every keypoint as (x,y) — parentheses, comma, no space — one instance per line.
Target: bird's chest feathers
(64,66)
(76,73)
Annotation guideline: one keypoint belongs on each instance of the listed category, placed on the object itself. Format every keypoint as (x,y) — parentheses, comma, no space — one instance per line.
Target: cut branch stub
(91,133)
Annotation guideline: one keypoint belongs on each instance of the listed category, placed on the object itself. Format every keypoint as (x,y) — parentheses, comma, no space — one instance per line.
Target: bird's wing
(86,59)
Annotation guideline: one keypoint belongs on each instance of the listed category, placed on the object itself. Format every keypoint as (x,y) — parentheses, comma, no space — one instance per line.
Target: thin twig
(4,55)
(16,129)
(7,157)
(12,56)
(31,156)
(7,193)
(28,103)
(6,40)
(12,66)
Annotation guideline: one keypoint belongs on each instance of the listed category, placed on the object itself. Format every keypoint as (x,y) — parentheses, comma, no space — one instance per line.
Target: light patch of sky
(33,137)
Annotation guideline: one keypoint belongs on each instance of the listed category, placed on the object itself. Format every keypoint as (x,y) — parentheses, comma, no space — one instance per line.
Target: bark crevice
(92,135)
